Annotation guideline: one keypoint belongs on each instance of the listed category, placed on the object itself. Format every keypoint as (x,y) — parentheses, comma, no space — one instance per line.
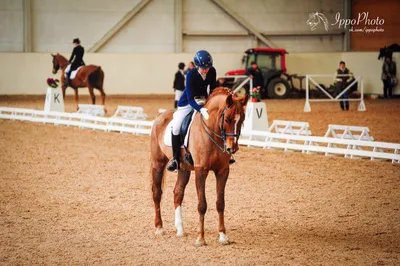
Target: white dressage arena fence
(130,112)
(290,127)
(80,120)
(298,138)
(348,132)
(307,144)
(309,78)
(91,109)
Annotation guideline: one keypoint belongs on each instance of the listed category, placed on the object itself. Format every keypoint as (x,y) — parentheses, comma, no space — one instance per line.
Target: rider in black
(76,59)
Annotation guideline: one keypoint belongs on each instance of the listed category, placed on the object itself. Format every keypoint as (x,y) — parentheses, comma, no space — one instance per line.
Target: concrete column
(27,25)
(178,26)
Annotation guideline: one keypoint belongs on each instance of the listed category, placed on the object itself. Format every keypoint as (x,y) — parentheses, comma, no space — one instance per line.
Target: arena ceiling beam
(120,24)
(270,33)
(242,22)
(178,26)
(27,26)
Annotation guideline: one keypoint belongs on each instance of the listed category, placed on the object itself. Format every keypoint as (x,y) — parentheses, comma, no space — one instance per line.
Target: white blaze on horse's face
(234,128)
(235,131)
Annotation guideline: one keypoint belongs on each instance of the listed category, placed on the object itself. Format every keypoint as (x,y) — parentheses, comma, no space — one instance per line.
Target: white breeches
(68,68)
(178,95)
(179,115)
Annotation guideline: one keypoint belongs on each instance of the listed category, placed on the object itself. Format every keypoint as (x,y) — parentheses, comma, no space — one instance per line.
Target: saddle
(73,73)
(184,131)
(185,126)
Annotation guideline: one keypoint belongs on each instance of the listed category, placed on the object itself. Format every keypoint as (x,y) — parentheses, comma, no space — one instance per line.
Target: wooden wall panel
(389,10)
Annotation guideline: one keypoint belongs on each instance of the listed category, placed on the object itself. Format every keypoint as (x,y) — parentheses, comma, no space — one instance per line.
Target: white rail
(307,144)
(78,120)
(350,148)
(247,79)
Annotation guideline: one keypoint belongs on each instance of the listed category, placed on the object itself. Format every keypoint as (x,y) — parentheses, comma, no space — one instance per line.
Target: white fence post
(307,107)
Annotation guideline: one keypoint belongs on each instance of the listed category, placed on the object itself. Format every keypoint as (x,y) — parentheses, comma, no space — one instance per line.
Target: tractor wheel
(278,89)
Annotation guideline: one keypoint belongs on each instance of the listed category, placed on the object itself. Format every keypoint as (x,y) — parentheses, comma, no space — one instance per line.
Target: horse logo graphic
(315,19)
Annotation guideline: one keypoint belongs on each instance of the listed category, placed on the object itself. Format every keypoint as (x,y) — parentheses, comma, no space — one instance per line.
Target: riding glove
(204,113)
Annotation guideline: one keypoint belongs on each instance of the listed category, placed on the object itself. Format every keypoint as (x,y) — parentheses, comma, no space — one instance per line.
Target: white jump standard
(307,107)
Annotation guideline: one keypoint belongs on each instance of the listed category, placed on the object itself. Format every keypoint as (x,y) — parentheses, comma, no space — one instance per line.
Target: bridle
(59,65)
(210,133)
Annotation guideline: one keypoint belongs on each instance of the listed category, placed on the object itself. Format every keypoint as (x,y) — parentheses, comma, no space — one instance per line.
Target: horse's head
(233,115)
(56,64)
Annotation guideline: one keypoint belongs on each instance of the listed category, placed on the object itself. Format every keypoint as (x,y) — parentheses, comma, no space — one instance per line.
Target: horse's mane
(220,91)
(324,20)
(61,57)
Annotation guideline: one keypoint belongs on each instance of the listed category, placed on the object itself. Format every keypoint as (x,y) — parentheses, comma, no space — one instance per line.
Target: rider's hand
(204,112)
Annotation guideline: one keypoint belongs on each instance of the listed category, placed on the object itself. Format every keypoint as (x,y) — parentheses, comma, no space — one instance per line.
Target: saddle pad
(73,73)
(168,133)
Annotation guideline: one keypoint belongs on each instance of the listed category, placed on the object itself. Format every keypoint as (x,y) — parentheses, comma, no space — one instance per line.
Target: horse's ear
(52,55)
(244,100)
(229,100)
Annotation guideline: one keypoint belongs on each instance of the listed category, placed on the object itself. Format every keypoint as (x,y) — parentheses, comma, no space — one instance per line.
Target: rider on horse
(197,81)
(76,60)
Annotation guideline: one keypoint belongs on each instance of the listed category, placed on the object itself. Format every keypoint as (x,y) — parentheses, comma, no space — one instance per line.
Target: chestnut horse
(90,77)
(211,144)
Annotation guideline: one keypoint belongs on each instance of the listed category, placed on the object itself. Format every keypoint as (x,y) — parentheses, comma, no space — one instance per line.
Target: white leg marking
(223,239)
(178,221)
(159,231)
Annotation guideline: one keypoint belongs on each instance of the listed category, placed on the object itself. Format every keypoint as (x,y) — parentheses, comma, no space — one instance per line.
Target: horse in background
(91,77)
(211,144)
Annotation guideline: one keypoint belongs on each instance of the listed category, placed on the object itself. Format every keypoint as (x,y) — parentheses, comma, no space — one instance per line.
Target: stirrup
(173,166)
(189,158)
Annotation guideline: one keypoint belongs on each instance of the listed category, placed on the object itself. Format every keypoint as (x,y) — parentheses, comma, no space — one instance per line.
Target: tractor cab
(267,59)
(272,64)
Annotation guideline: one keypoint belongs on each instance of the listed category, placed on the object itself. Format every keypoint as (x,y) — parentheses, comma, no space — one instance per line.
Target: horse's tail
(95,77)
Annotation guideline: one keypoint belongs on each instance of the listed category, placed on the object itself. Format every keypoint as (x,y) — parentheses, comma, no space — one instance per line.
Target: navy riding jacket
(196,86)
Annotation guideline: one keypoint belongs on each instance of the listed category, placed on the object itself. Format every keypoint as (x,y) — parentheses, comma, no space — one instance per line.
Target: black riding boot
(176,151)
(67,78)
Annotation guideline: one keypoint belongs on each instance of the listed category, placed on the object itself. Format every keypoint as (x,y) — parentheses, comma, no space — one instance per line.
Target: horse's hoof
(200,243)
(180,233)
(159,231)
(223,239)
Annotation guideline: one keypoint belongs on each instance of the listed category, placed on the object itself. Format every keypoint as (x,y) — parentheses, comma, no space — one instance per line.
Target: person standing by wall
(255,73)
(388,77)
(179,83)
(190,66)
(341,84)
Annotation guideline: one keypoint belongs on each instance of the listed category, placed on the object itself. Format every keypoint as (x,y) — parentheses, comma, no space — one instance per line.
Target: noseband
(210,133)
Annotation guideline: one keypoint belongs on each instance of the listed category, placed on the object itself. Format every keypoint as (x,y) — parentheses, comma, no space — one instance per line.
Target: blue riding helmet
(203,59)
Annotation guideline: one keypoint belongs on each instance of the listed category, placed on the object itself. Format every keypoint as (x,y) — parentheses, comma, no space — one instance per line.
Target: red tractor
(271,61)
